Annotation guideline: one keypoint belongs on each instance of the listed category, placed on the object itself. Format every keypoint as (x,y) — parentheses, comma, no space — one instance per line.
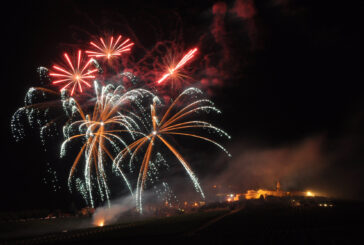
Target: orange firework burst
(75,76)
(111,49)
(170,125)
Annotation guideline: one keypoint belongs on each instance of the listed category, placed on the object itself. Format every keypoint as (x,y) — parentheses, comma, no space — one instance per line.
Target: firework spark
(75,76)
(170,125)
(173,70)
(108,51)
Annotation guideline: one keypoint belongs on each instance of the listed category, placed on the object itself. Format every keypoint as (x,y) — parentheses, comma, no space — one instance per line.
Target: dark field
(250,223)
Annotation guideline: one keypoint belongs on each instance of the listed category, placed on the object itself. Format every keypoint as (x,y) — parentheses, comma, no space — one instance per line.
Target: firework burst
(75,76)
(117,123)
(173,70)
(99,131)
(110,49)
(175,124)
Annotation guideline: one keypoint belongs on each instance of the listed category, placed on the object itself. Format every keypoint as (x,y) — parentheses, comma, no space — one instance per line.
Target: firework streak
(180,64)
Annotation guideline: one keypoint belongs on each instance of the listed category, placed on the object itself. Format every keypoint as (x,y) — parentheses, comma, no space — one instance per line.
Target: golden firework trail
(99,130)
(171,124)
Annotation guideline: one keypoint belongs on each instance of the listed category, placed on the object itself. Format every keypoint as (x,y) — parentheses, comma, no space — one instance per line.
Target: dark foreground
(251,223)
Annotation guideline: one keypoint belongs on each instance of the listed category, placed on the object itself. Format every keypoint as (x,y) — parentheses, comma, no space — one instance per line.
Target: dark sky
(289,83)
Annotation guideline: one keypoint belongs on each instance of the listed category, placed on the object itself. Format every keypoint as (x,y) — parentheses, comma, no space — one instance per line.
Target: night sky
(288,80)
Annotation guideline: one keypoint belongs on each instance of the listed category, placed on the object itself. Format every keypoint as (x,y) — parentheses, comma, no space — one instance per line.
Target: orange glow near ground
(310,194)
(100,223)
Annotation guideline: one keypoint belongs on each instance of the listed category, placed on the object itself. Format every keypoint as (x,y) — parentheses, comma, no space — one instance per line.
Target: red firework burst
(173,71)
(76,76)
(112,49)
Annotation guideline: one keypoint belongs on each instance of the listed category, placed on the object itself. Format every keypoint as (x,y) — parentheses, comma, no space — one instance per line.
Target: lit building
(264,193)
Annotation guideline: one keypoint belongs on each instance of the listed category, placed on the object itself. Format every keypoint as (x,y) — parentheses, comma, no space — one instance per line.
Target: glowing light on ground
(310,194)
(100,223)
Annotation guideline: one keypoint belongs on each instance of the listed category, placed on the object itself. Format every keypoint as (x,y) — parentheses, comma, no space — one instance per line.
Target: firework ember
(173,70)
(75,77)
(111,49)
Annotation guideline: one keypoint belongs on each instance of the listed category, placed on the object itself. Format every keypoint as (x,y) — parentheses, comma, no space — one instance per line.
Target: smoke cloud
(123,209)
(313,163)
(253,167)
(110,215)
